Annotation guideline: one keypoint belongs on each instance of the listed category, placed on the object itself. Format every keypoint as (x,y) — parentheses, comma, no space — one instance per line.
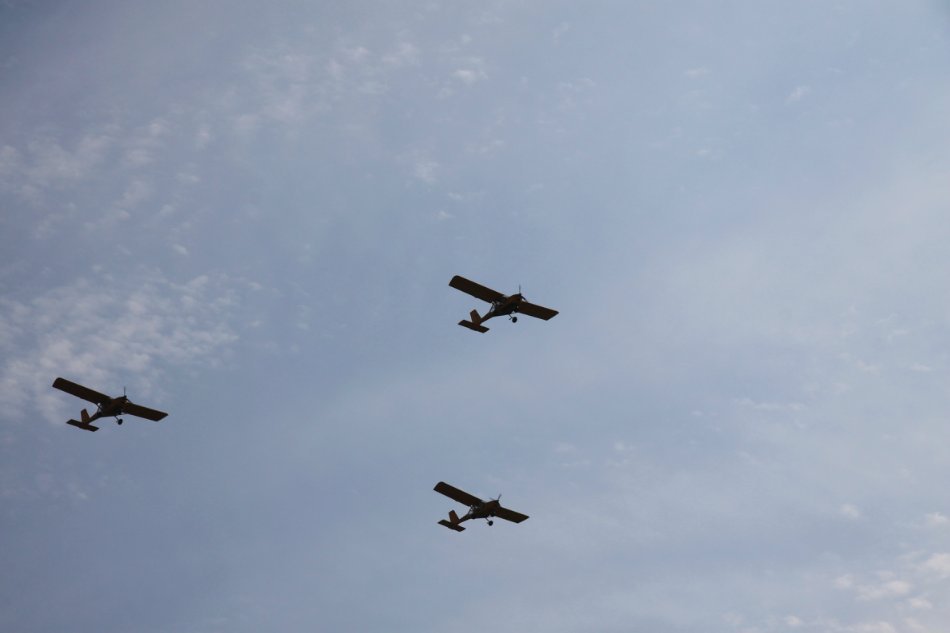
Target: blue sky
(247,215)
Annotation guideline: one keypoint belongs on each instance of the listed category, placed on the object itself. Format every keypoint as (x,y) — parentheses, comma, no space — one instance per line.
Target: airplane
(477,509)
(106,406)
(501,305)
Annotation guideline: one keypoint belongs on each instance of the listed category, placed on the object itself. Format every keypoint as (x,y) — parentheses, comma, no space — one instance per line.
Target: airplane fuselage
(505,306)
(486,510)
(111,409)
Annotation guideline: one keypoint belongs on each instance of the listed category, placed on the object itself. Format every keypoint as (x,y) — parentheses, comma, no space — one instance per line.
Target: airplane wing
(143,412)
(80,392)
(536,311)
(476,290)
(454,493)
(510,515)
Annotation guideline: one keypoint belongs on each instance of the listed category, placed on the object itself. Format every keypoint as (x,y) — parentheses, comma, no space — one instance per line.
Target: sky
(247,214)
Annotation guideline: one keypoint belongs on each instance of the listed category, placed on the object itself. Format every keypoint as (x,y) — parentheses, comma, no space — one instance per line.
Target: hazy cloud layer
(248,217)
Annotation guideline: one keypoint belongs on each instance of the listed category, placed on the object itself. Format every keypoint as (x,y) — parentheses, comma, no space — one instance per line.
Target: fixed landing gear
(490,522)
(119,421)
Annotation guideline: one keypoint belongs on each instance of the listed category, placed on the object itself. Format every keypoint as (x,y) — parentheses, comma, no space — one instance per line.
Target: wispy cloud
(886,589)
(937,565)
(404,54)
(45,163)
(769,406)
(850,511)
(106,334)
(798,93)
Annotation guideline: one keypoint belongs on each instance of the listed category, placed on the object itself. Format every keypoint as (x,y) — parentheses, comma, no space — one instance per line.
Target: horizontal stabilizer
(452,526)
(84,426)
(473,326)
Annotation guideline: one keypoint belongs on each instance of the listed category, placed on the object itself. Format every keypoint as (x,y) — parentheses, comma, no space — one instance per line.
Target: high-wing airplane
(106,406)
(477,509)
(501,305)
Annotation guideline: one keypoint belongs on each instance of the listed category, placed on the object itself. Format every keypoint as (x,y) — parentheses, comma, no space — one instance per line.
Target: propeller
(489,517)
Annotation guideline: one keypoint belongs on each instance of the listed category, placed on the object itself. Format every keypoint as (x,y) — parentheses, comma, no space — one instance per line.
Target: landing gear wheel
(120,421)
(491,523)
(514,319)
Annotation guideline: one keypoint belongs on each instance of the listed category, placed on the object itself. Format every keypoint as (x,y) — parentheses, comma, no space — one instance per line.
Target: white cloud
(937,519)
(425,171)
(873,627)
(46,164)
(733,619)
(202,137)
(245,124)
(422,166)
(405,54)
(850,511)
(187,178)
(469,76)
(937,564)
(102,334)
(9,161)
(769,406)
(138,157)
(52,164)
(335,69)
(357,53)
(798,93)
(157,128)
(887,589)
(135,193)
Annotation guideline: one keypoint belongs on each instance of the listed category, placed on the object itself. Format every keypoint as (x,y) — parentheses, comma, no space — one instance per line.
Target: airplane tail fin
(453,522)
(85,417)
(475,324)
(85,426)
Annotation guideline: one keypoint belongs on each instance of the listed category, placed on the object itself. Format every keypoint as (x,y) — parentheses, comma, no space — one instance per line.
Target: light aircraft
(501,305)
(106,406)
(477,509)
